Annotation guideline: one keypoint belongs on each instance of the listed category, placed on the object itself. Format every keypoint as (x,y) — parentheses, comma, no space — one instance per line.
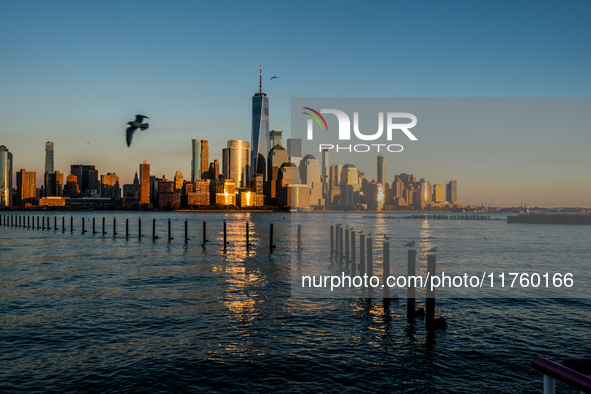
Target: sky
(75,72)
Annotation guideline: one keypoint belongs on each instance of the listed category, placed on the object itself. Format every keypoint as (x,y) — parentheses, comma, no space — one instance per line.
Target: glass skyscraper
(260,131)
(5,177)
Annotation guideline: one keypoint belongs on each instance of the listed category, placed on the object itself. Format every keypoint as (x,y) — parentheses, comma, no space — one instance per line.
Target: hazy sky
(76,71)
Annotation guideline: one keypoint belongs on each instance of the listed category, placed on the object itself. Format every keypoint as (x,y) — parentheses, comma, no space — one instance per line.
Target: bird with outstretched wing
(133,126)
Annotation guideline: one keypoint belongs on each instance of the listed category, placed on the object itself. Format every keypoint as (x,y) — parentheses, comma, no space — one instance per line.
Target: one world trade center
(260,130)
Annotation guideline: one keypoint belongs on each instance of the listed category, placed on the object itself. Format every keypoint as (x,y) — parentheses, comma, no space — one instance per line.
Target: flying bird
(486,238)
(410,244)
(133,126)
(273,78)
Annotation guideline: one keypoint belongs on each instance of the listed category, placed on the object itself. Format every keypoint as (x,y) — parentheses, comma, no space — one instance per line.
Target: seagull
(386,237)
(360,231)
(432,250)
(369,235)
(133,126)
(486,238)
(410,244)
(273,78)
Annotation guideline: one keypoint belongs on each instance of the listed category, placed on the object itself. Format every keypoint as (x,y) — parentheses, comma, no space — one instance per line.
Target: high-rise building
(276,138)
(5,177)
(26,186)
(260,127)
(48,157)
(199,160)
(294,147)
(350,176)
(214,170)
(236,162)
(54,184)
(178,181)
(87,176)
(310,175)
(195,160)
(451,192)
(204,160)
(438,194)
(144,183)
(324,169)
(277,156)
(110,187)
(71,189)
(381,170)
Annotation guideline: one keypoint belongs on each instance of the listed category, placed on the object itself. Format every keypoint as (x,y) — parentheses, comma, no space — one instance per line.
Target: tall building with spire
(260,128)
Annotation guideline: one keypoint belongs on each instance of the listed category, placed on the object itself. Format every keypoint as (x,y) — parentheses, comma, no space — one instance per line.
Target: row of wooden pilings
(343,249)
(43,223)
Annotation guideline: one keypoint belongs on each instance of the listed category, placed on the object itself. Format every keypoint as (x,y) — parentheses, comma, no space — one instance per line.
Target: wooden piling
(386,269)
(430,301)
(127,228)
(225,242)
(139,229)
(361,255)
(204,233)
(83,231)
(104,232)
(369,261)
(43,222)
(169,233)
(331,241)
(271,238)
(353,251)
(63,224)
(93,227)
(410,290)
(247,236)
(186,231)
(114,226)
(153,229)
(346,247)
(299,236)
(71,223)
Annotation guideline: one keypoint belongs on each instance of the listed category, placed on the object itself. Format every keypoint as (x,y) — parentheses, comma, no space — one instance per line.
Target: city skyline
(82,94)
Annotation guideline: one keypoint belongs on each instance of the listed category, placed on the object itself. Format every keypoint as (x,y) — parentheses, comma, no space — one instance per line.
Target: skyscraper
(276,138)
(144,183)
(87,177)
(236,162)
(48,157)
(294,147)
(204,160)
(451,192)
(214,170)
(324,170)
(5,177)
(26,185)
(178,181)
(260,127)
(381,170)
(195,160)
(199,160)
(110,187)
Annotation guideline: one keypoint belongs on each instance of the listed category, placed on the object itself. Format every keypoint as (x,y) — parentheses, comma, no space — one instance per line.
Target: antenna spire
(261,78)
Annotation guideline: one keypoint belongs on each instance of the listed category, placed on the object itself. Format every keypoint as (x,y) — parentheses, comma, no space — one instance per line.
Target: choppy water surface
(102,313)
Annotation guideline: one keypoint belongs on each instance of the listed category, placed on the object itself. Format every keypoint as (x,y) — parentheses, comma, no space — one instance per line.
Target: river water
(98,312)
